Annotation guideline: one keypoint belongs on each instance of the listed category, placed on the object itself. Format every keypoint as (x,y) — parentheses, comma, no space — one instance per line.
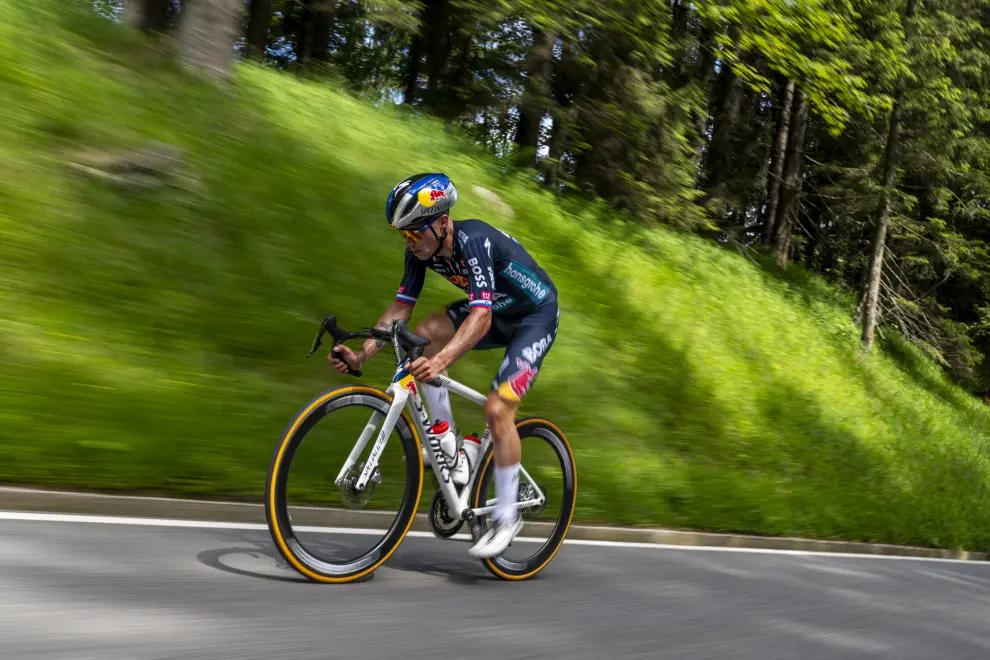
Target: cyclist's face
(424,243)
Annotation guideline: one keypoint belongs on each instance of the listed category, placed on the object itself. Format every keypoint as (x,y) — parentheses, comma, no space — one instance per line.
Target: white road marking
(207,524)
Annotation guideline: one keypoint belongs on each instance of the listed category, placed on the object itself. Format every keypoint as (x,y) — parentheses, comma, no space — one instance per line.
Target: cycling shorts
(527,340)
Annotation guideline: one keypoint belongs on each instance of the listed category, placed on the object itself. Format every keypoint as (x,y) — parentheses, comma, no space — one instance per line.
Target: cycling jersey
(526,341)
(488,264)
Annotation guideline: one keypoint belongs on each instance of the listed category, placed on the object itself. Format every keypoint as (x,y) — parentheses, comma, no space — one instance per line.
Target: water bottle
(470,450)
(444,444)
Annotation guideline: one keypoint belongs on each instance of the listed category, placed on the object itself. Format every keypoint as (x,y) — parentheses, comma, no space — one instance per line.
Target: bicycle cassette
(527,492)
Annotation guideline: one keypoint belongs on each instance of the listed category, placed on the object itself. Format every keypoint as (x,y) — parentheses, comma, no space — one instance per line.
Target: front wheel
(322,543)
(549,461)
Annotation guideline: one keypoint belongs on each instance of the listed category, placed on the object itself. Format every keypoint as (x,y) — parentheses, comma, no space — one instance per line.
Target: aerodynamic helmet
(418,200)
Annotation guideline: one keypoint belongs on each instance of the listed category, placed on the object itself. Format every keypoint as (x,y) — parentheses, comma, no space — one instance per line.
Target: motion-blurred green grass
(155,340)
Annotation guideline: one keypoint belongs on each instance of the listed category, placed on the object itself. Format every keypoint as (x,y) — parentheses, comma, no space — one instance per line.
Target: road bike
(328,553)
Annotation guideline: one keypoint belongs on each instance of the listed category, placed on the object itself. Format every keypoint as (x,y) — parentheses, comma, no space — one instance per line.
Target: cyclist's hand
(351,359)
(426,369)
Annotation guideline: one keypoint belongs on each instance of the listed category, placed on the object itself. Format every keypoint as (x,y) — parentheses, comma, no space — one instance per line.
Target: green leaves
(807,41)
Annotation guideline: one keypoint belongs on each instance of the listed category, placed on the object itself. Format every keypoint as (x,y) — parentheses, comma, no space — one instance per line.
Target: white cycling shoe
(496,539)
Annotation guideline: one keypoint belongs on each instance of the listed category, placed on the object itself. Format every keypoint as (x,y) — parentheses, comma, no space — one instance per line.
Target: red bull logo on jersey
(458,280)
(429,196)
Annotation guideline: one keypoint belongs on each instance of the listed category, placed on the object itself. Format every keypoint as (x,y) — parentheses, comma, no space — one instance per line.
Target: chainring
(441,522)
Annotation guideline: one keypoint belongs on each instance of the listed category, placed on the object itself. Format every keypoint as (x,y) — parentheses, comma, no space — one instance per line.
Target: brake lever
(319,335)
(339,337)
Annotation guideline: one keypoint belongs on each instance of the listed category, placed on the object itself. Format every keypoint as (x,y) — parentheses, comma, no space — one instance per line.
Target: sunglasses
(416,236)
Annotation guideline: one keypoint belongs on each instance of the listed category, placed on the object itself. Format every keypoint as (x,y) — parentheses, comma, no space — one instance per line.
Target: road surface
(84,591)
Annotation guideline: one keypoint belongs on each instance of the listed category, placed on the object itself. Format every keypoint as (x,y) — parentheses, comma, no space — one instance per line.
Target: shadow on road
(259,559)
(218,558)
(454,569)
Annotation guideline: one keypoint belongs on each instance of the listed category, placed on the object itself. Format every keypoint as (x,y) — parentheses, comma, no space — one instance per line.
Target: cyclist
(511,303)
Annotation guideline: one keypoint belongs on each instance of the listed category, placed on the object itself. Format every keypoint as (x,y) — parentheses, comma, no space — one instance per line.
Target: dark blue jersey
(490,266)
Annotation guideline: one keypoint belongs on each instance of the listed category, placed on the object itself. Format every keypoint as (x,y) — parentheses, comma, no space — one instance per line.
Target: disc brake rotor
(350,495)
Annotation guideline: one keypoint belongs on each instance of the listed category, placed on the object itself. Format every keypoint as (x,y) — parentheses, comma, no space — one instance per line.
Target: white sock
(438,403)
(507,492)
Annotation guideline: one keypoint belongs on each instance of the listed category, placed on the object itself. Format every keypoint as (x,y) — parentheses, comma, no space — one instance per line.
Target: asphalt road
(81,591)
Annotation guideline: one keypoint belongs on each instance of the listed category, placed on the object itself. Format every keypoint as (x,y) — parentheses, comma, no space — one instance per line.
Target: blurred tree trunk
(260,16)
(207,29)
(726,128)
(317,25)
(460,81)
(561,87)
(784,105)
(413,60)
(535,101)
(675,74)
(437,34)
(705,75)
(148,15)
(871,292)
(558,135)
(790,192)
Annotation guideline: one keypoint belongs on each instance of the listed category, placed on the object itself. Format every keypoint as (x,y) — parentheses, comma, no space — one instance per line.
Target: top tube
(460,389)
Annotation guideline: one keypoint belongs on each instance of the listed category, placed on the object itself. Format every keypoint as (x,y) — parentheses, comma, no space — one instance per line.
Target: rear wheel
(549,461)
(324,544)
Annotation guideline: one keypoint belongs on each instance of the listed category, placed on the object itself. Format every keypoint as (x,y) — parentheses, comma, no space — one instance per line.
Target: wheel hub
(350,495)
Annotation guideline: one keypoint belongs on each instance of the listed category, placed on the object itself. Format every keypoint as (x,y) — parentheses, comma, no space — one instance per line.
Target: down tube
(441,470)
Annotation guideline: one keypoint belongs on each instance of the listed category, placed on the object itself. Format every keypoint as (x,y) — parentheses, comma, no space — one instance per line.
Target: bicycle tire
(276,505)
(524,570)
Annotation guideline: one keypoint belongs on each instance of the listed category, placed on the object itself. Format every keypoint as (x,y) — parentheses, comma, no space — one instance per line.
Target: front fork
(399,397)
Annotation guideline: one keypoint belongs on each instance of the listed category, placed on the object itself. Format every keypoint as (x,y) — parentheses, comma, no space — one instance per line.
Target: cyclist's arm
(396,311)
(475,327)
(402,306)
(478,258)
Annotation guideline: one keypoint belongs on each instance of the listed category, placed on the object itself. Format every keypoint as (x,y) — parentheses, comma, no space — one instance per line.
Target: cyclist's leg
(440,328)
(527,349)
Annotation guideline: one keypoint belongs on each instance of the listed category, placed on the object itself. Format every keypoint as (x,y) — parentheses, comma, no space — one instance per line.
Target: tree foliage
(762,123)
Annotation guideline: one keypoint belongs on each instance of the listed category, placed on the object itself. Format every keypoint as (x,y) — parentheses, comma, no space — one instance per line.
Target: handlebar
(412,345)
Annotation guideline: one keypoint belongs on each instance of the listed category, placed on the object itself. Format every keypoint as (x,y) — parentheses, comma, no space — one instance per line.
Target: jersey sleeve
(481,271)
(412,280)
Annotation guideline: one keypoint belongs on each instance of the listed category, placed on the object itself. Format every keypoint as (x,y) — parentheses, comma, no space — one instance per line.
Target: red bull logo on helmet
(429,196)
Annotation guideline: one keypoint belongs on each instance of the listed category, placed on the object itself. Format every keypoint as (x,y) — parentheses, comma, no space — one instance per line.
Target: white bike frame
(405,393)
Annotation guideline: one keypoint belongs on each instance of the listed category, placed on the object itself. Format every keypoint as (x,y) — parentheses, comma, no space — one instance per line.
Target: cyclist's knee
(429,326)
(438,328)
(499,412)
